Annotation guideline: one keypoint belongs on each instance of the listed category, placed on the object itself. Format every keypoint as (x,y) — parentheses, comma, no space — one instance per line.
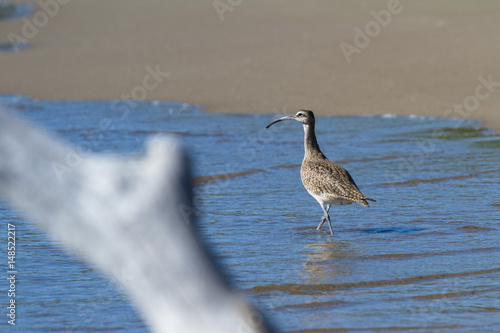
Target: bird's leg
(329,222)
(325,217)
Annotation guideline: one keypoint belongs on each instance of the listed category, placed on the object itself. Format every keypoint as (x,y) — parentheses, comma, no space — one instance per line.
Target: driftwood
(132,215)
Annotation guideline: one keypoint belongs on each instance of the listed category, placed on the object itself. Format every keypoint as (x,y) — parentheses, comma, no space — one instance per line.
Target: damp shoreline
(234,64)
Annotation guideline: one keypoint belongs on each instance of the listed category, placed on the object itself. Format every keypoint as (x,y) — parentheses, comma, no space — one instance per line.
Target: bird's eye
(300,114)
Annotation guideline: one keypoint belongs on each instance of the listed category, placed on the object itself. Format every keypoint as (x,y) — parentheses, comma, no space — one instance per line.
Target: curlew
(326,181)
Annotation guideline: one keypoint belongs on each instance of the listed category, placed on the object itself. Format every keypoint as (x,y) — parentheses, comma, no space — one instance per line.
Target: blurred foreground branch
(131,216)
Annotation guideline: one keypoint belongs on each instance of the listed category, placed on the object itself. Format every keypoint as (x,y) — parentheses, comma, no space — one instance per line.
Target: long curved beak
(281,119)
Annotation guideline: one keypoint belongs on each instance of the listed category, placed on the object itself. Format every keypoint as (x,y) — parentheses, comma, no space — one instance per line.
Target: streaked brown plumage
(328,182)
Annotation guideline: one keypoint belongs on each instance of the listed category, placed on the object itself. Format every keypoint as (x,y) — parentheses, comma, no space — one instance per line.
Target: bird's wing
(332,180)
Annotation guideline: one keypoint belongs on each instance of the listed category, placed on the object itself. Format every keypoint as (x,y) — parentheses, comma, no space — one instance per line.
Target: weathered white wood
(130,217)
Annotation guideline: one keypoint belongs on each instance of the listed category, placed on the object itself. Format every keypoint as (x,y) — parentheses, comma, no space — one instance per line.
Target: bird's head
(304,116)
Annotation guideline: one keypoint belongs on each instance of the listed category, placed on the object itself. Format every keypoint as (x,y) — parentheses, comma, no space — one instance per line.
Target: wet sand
(261,56)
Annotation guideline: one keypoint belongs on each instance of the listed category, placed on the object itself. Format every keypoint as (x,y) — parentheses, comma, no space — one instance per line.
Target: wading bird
(328,182)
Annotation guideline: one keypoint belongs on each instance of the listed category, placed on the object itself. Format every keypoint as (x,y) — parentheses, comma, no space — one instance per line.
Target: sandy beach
(433,57)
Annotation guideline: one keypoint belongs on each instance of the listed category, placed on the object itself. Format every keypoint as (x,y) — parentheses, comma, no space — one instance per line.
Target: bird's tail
(365,203)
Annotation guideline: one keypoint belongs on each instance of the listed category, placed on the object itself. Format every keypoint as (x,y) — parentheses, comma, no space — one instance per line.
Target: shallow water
(425,256)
